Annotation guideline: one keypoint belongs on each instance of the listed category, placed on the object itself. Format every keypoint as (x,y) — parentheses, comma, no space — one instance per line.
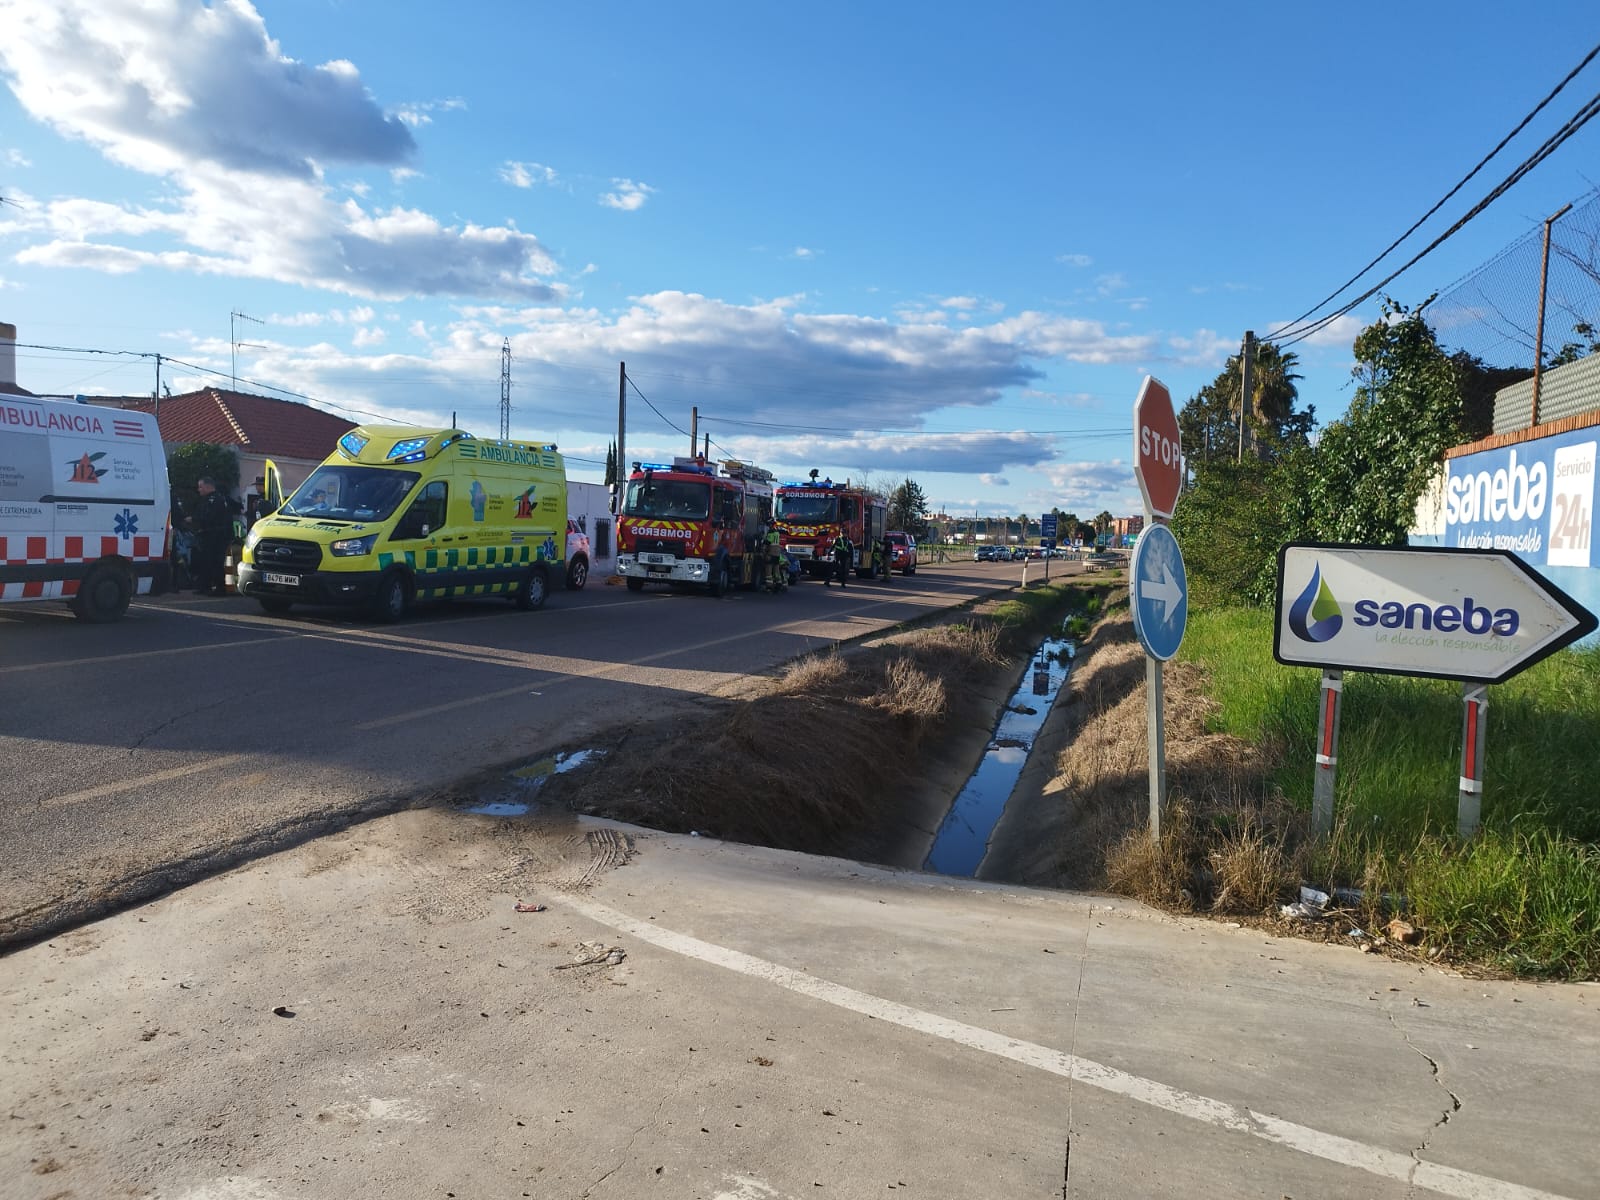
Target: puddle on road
(963,838)
(517,797)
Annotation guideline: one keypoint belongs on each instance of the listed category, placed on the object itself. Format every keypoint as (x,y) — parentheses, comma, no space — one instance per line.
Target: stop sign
(1157,455)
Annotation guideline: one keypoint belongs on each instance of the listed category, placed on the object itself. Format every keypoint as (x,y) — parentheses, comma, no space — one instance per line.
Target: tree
(908,508)
(1371,466)
(1588,343)
(192,460)
(611,464)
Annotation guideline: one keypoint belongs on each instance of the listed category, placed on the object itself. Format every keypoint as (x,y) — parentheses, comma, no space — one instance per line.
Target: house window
(602,538)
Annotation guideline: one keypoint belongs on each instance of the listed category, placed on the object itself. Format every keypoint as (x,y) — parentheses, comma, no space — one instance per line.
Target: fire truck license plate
(658,558)
(285,580)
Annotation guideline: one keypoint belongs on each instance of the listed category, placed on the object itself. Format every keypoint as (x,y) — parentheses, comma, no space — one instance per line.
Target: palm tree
(1274,392)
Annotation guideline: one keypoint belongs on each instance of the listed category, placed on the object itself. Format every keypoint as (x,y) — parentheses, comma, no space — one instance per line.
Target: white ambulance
(84,503)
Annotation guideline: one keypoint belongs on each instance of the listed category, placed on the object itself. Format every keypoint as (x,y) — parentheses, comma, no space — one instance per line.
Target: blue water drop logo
(1315,616)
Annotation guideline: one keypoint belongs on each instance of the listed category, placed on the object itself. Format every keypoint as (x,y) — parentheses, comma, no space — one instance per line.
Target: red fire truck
(687,523)
(810,516)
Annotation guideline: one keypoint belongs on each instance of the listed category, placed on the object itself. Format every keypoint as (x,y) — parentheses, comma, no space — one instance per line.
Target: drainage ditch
(963,837)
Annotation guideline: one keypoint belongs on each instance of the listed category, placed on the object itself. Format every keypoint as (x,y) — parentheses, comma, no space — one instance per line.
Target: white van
(84,504)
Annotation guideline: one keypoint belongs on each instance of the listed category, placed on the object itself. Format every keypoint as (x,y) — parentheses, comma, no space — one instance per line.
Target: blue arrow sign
(1160,592)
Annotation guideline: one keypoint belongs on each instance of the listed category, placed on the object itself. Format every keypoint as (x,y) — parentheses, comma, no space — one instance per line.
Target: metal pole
(1327,753)
(1538,343)
(694,430)
(1469,800)
(1157,742)
(622,433)
(1246,391)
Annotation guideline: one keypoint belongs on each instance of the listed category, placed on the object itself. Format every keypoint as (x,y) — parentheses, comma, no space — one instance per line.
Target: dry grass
(1227,839)
(817,763)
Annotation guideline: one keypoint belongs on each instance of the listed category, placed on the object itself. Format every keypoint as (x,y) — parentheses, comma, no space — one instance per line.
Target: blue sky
(927,239)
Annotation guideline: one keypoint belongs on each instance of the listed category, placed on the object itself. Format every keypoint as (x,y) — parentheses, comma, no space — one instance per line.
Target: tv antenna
(234,318)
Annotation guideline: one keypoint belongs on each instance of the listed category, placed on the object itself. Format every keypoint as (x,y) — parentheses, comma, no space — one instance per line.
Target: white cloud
(1075,260)
(368,336)
(1339,333)
(421,112)
(1112,281)
(959,303)
(359,315)
(527,174)
(803,252)
(15,158)
(1206,348)
(157,84)
(202,97)
(418,330)
(994,480)
(629,196)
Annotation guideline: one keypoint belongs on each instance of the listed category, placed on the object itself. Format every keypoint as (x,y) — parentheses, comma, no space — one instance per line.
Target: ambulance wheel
(276,605)
(389,601)
(635,585)
(531,594)
(719,578)
(103,595)
(577,574)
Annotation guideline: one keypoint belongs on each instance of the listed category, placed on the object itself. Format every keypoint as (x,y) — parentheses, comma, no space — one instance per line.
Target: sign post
(1477,616)
(1047,536)
(1160,589)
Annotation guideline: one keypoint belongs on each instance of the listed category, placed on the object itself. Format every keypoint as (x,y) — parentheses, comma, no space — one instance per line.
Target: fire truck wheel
(719,576)
(635,585)
(533,590)
(103,595)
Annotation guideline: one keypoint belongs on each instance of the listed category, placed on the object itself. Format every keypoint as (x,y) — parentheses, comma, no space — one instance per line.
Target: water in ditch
(516,796)
(963,838)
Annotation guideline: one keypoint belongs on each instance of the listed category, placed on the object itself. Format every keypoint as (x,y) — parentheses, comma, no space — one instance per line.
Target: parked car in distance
(577,556)
(987,554)
(902,553)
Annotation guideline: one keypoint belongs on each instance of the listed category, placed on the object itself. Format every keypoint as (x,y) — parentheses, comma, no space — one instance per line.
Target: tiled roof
(259,424)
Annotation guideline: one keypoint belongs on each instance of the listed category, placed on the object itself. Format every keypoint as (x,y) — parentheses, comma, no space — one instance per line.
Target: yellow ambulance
(398,514)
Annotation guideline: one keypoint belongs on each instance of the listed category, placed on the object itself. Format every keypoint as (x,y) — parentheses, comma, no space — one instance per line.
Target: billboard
(1536,499)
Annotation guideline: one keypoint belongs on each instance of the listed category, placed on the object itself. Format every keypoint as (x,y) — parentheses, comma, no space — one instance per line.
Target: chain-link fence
(1493,313)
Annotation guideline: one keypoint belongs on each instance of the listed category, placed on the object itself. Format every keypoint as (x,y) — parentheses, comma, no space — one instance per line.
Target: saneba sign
(1474,615)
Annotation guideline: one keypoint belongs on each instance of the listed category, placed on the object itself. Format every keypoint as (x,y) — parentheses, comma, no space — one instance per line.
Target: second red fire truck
(811,516)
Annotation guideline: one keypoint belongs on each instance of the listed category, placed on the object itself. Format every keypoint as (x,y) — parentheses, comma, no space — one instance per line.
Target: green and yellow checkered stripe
(429,569)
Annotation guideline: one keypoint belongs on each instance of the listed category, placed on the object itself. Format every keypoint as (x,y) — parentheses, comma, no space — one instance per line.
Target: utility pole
(694,430)
(1538,344)
(622,434)
(157,392)
(505,390)
(706,453)
(1247,393)
(233,337)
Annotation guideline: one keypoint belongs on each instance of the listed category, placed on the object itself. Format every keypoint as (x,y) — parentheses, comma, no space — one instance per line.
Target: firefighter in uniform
(777,564)
(841,559)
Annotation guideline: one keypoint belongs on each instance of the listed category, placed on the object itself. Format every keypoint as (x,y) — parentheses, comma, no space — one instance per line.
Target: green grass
(1524,894)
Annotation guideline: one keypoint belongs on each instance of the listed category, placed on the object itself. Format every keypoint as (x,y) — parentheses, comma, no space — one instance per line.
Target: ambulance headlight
(350,547)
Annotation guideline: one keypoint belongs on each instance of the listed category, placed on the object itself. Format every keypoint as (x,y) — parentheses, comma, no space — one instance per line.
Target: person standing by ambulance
(212,523)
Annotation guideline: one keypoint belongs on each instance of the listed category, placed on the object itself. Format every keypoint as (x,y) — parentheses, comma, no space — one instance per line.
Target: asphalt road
(198,733)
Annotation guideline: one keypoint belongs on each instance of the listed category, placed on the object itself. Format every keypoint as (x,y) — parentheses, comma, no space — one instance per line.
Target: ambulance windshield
(339,493)
(807,510)
(668,499)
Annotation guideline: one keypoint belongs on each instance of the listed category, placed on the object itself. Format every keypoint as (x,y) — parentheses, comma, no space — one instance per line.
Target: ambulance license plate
(283,580)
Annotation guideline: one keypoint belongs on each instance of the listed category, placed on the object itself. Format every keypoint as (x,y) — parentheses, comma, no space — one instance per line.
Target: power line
(1551,144)
(1289,330)
(653,408)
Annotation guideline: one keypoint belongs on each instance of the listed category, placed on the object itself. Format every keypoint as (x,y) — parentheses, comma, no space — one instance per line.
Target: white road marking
(128,785)
(1387,1164)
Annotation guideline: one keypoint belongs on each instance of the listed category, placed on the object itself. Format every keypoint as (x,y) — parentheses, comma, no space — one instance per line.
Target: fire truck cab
(687,523)
(811,514)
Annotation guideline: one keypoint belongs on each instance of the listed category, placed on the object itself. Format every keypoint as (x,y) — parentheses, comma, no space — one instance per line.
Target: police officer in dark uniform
(212,523)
